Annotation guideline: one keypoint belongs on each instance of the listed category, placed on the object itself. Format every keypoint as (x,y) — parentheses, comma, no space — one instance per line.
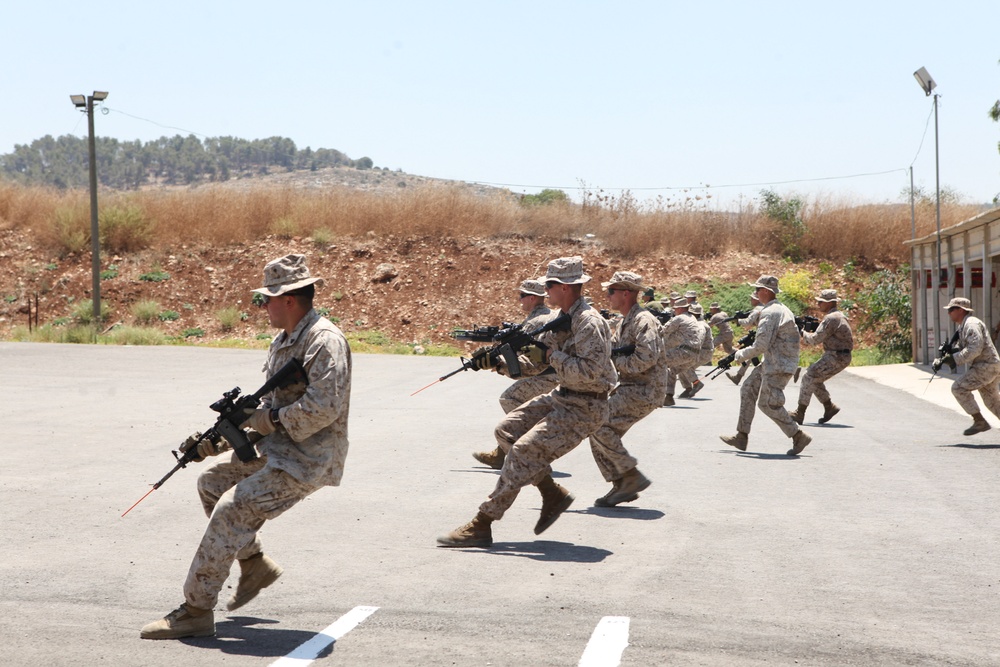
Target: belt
(602,395)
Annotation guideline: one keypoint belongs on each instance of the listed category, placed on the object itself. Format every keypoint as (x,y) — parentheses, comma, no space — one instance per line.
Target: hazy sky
(651,96)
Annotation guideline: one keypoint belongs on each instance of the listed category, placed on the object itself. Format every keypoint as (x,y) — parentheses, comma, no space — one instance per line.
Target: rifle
(663,316)
(807,323)
(727,361)
(945,356)
(623,351)
(480,334)
(738,315)
(507,343)
(232,415)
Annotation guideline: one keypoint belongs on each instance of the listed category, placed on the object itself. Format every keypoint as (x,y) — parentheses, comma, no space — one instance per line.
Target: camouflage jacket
(719,321)
(582,355)
(311,442)
(974,343)
(777,339)
(834,333)
(707,343)
(538,317)
(645,366)
(752,320)
(682,331)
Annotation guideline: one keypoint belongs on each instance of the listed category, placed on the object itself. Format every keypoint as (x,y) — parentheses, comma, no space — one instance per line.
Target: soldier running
(976,349)
(834,334)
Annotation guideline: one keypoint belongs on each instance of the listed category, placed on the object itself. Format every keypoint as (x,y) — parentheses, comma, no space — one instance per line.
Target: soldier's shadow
(622,512)
(764,456)
(564,552)
(969,445)
(817,424)
(240,635)
(493,471)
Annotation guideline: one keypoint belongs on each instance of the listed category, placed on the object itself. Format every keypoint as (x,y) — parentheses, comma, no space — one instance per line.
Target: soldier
(682,336)
(748,322)
(548,426)
(691,296)
(637,352)
(720,319)
(834,334)
(303,449)
(976,349)
(532,301)
(777,343)
(650,303)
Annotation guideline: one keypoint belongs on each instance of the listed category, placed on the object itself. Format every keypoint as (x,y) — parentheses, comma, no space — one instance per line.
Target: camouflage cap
(695,309)
(649,292)
(690,294)
(959,302)
(532,287)
(768,283)
(680,302)
(675,295)
(625,280)
(286,274)
(566,270)
(714,305)
(828,295)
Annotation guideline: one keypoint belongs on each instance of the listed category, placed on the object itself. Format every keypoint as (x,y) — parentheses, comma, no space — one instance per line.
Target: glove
(481,359)
(203,447)
(536,353)
(727,361)
(936,364)
(260,420)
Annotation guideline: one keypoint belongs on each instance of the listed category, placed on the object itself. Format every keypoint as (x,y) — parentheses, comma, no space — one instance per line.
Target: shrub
(545,197)
(169,316)
(71,227)
(83,312)
(789,227)
(135,336)
(229,317)
(110,272)
(193,332)
(885,302)
(125,228)
(796,290)
(285,228)
(145,312)
(322,236)
(155,276)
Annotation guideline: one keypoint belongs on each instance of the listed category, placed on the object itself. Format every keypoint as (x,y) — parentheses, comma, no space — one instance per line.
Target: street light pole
(86,105)
(928,84)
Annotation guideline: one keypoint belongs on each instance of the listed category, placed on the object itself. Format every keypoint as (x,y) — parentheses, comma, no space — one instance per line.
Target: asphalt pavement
(877,546)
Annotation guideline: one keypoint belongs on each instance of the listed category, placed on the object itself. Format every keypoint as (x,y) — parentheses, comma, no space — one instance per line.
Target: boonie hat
(691,294)
(714,304)
(695,309)
(286,274)
(768,283)
(532,287)
(681,302)
(649,292)
(959,302)
(828,295)
(625,280)
(566,270)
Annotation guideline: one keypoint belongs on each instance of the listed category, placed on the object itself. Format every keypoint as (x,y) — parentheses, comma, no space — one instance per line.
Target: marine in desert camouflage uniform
(637,352)
(682,337)
(749,322)
(547,427)
(303,449)
(777,343)
(834,334)
(975,348)
(719,319)
(531,297)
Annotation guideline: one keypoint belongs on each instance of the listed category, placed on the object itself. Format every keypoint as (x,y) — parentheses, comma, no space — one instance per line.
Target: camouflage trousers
(626,407)
(982,378)
(238,498)
(525,389)
(766,389)
(818,373)
(726,343)
(686,374)
(537,433)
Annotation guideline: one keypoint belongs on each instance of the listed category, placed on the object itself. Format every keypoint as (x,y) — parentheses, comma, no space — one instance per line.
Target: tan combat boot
(476,533)
(979,424)
(799,442)
(668,401)
(256,573)
(185,621)
(625,489)
(687,393)
(829,410)
(555,501)
(735,379)
(739,441)
(492,459)
(800,413)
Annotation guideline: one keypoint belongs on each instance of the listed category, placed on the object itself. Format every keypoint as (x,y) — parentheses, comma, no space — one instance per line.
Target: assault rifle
(232,409)
(738,315)
(807,323)
(663,316)
(726,362)
(480,334)
(507,343)
(945,356)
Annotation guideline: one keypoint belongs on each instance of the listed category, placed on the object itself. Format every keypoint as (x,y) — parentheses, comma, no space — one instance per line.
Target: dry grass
(836,230)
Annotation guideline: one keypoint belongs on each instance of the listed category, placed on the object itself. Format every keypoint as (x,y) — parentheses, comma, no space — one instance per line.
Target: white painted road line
(309,651)
(607,644)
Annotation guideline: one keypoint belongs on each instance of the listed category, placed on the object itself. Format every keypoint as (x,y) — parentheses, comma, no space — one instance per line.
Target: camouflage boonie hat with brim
(959,302)
(675,295)
(285,275)
(625,280)
(680,302)
(714,305)
(690,294)
(566,270)
(695,309)
(768,283)
(532,287)
(649,292)
(828,295)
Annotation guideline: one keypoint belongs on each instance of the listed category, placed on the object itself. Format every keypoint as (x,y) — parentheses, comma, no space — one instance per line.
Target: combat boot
(795,376)
(829,410)
(256,573)
(668,401)
(687,393)
(799,442)
(476,533)
(626,489)
(739,441)
(493,459)
(979,424)
(555,501)
(800,413)
(735,380)
(696,387)
(185,621)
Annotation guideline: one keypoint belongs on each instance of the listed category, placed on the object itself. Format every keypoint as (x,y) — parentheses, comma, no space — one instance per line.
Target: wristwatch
(275,419)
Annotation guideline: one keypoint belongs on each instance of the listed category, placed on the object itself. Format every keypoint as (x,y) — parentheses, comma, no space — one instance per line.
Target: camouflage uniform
(834,333)
(549,426)
(748,323)
(640,392)
(976,349)
(528,386)
(707,345)
(304,454)
(777,343)
(682,338)
(725,337)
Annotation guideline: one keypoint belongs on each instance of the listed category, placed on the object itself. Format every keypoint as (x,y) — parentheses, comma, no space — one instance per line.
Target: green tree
(789,225)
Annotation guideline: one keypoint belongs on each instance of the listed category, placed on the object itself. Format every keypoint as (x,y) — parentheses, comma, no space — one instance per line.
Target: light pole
(86,105)
(927,84)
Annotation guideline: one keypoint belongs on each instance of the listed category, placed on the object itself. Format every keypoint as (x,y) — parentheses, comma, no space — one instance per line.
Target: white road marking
(310,650)
(607,644)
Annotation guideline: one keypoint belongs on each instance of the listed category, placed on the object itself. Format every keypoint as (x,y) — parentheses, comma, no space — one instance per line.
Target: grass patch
(83,311)
(145,312)
(230,317)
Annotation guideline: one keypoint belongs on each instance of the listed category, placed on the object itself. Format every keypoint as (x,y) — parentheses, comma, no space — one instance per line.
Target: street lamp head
(100,95)
(923,77)
(78,100)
